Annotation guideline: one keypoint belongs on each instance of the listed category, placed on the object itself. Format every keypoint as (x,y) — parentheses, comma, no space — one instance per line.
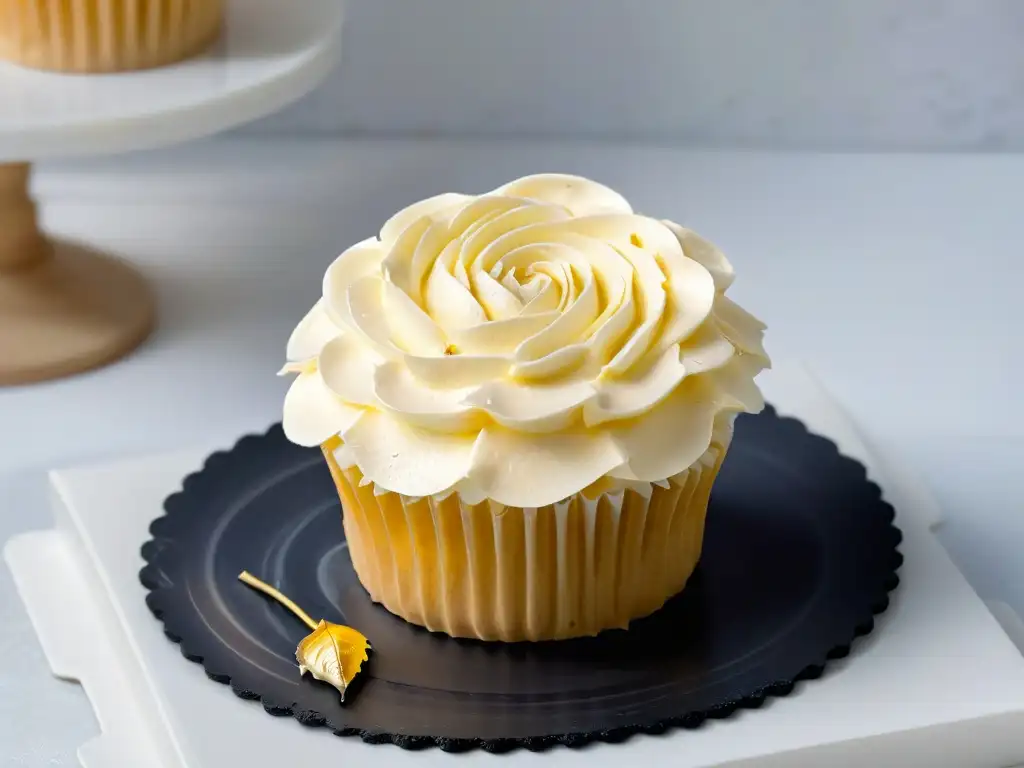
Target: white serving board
(939,682)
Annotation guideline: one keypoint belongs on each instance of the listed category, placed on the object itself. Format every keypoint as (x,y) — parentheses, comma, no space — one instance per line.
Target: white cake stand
(65,308)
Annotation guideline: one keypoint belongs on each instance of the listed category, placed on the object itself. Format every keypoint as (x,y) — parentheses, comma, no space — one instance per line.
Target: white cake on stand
(65,308)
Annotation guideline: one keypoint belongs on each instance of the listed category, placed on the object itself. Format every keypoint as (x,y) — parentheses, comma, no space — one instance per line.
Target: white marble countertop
(893,276)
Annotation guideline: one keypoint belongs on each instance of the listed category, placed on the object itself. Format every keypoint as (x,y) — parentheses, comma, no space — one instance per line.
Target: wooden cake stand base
(64,309)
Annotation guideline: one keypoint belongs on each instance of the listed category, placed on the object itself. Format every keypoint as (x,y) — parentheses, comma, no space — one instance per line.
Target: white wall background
(836,74)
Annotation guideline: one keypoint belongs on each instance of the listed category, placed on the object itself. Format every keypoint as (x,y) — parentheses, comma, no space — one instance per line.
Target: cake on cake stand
(65,308)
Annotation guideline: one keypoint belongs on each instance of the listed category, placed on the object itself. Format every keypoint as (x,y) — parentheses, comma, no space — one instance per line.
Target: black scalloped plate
(800,554)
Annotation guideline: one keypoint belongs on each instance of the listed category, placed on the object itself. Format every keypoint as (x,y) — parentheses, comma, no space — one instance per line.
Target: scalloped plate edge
(150,578)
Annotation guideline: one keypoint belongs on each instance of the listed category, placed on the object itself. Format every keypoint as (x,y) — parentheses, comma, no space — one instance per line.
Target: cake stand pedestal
(65,308)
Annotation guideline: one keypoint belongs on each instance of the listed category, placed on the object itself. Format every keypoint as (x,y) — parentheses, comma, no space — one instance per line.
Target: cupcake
(524,399)
(106,35)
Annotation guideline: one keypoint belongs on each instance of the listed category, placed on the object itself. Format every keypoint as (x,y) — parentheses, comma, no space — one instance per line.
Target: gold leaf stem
(247,578)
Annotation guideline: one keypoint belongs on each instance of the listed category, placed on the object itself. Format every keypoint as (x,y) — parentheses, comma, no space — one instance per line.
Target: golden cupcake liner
(492,572)
(106,35)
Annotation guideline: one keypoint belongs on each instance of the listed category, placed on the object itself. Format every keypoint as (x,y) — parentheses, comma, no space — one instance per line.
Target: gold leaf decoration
(332,653)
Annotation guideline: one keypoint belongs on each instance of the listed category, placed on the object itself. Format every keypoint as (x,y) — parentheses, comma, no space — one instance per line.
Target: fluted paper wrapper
(493,572)
(106,35)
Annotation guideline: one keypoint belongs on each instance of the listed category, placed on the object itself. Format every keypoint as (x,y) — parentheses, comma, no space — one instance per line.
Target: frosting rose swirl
(521,346)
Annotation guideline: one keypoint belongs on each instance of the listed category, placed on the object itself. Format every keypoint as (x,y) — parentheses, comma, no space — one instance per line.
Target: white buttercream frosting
(521,346)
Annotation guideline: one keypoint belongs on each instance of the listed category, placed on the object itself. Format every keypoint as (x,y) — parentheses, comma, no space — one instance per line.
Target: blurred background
(798,74)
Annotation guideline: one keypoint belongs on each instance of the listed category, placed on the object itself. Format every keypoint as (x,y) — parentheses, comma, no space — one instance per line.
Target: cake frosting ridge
(522,346)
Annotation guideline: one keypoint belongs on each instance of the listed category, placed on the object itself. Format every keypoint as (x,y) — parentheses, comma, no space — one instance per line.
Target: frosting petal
(311,334)
(706,350)
(626,398)
(458,370)
(706,254)
(313,414)
(501,336)
(538,408)
(407,460)
(410,327)
(441,410)
(579,195)
(669,438)
(508,465)
(449,300)
(741,328)
(348,368)
(360,260)
(398,223)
